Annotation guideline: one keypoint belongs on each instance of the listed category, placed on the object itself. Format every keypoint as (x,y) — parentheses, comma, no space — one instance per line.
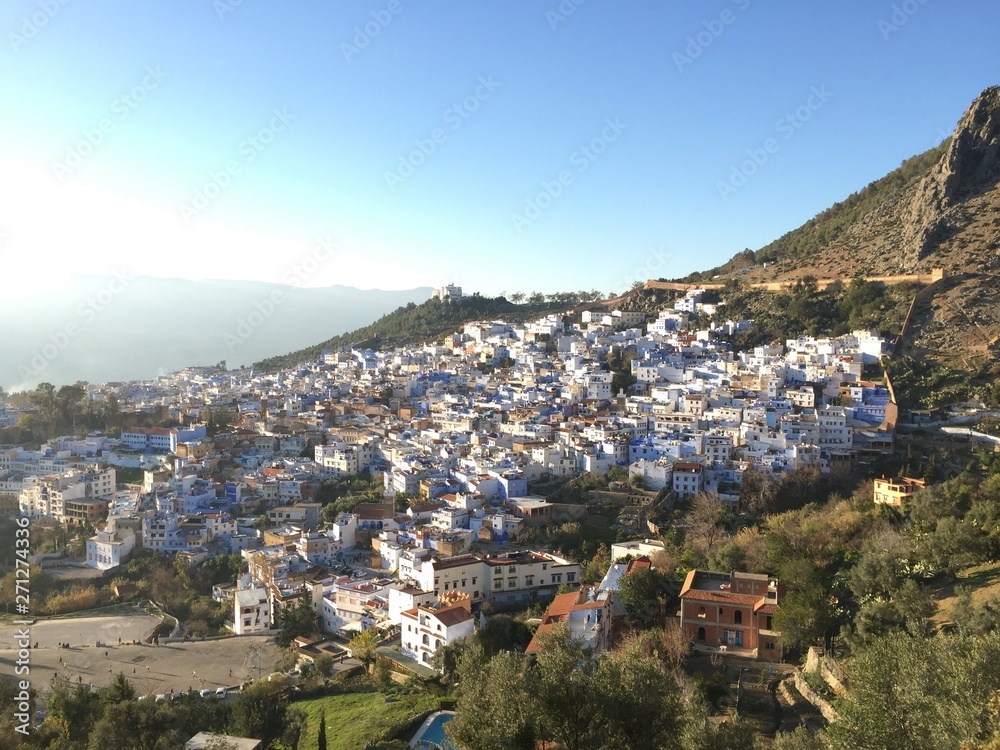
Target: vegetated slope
(940,209)
(415,324)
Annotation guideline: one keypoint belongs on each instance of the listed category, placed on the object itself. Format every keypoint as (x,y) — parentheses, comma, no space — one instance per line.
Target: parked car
(220,693)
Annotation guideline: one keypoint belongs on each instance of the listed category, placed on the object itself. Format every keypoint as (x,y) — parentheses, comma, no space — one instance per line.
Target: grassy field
(353,719)
(982,580)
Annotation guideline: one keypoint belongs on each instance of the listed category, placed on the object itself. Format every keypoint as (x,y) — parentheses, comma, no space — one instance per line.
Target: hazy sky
(504,145)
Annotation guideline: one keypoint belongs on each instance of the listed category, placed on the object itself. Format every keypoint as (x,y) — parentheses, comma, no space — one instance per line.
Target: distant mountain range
(112,329)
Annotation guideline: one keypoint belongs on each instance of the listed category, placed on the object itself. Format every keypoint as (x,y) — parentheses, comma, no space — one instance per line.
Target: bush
(73,600)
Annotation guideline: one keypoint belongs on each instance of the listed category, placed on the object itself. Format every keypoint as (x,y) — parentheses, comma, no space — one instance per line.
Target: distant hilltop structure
(447,292)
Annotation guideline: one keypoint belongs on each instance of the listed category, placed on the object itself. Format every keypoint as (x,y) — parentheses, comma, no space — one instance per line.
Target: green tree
(134,725)
(363,647)
(77,705)
(492,695)
(295,620)
(595,570)
(259,711)
(639,593)
(324,665)
(920,694)
(503,633)
(120,689)
(640,705)
(561,690)
(321,737)
(804,617)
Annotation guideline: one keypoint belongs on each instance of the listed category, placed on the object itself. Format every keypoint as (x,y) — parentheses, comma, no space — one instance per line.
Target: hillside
(414,324)
(939,210)
(937,214)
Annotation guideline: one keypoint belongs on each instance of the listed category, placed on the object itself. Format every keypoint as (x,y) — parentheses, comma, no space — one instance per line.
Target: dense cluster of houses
(460,428)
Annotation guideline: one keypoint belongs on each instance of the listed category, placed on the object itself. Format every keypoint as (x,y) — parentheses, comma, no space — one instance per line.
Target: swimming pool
(431,733)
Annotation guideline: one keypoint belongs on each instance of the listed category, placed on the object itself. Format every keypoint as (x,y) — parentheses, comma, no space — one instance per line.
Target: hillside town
(459,432)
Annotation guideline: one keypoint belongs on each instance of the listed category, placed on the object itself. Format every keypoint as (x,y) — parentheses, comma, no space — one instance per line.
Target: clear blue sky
(543,83)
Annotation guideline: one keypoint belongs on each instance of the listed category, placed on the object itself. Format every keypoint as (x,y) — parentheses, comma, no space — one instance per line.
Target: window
(701,613)
(738,617)
(475,594)
(769,646)
(529,580)
(427,640)
(557,578)
(498,583)
(512,583)
(463,583)
(473,581)
(570,577)
(512,569)
(767,623)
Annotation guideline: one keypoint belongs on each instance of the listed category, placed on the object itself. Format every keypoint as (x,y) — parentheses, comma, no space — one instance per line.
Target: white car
(220,693)
(205,693)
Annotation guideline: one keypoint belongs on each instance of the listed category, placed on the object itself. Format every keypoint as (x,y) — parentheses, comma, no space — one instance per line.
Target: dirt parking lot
(210,664)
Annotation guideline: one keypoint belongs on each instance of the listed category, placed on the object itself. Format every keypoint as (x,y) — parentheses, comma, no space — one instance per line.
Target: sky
(504,146)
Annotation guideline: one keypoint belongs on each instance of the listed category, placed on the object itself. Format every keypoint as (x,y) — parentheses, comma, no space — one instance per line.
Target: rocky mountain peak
(969,167)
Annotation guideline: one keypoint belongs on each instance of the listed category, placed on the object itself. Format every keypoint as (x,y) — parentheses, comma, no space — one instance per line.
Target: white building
(107,550)
(252,612)
(426,629)
(448,291)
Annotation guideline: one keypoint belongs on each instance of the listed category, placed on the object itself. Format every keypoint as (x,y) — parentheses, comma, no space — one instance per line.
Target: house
(305,515)
(688,478)
(109,548)
(636,548)
(895,491)
(732,612)
(587,614)
(515,577)
(252,612)
(425,629)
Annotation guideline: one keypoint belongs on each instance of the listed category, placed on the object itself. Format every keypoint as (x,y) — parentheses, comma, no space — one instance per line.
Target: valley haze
(119,327)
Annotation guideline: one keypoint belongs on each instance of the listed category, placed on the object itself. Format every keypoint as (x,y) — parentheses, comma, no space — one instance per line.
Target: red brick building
(732,612)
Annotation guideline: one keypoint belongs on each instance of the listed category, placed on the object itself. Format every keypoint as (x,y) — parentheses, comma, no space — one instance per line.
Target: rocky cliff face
(969,167)
(948,217)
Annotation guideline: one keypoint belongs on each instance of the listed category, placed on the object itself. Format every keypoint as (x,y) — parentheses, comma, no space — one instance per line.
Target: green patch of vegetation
(923,384)
(805,310)
(429,321)
(353,719)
